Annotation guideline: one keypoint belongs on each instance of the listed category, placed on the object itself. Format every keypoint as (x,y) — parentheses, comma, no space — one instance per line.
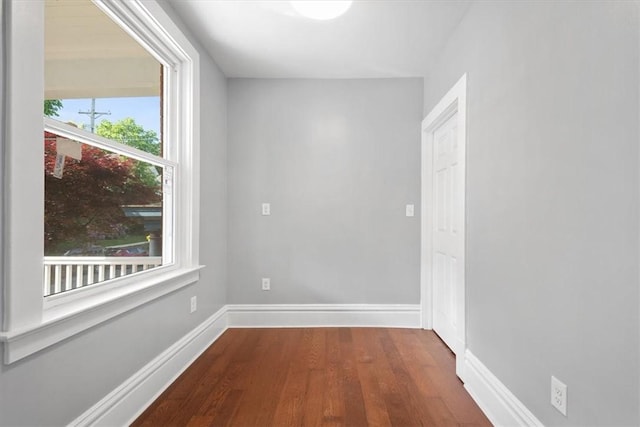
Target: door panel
(448,243)
(442,215)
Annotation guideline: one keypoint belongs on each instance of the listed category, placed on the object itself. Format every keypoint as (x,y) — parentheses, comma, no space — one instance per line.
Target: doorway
(442,264)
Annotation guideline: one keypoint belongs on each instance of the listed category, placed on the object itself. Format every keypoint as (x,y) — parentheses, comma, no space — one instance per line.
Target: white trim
(23,342)
(455,101)
(494,398)
(139,21)
(29,322)
(125,403)
(23,35)
(319,315)
(3,100)
(80,135)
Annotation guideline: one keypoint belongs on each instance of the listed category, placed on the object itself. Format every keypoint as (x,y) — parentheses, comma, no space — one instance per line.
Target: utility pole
(93,114)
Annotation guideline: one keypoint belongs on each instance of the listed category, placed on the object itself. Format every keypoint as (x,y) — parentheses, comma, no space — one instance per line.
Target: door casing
(455,101)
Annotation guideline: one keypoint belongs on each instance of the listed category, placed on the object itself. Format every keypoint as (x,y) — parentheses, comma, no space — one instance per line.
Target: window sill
(63,320)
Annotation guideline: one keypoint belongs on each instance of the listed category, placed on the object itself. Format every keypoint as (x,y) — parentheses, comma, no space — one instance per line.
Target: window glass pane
(99,78)
(103,214)
(103,211)
(134,121)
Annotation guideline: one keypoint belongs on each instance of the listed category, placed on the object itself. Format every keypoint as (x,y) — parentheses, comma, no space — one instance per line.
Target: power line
(93,114)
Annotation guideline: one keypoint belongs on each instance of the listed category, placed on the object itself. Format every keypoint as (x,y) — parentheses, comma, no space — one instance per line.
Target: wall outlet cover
(559,395)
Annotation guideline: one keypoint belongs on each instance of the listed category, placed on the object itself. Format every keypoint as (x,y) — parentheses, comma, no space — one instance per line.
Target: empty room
(300,213)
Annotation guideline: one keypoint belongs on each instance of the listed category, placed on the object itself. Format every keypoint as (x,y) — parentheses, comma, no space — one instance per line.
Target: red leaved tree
(87,201)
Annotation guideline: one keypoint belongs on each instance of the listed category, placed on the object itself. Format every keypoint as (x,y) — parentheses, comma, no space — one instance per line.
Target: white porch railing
(63,273)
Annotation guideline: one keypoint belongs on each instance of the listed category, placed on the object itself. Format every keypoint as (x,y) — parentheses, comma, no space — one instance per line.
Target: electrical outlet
(266,284)
(559,395)
(194,303)
(266,209)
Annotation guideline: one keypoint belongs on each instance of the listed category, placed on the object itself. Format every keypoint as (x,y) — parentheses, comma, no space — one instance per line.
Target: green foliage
(128,132)
(51,107)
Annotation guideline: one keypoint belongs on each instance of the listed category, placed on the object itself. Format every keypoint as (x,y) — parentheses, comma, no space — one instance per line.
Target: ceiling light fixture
(321,10)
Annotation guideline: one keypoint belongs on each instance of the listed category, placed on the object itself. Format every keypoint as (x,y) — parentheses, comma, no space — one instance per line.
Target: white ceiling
(377,38)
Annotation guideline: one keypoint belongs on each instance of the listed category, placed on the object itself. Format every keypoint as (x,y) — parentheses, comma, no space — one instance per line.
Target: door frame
(455,101)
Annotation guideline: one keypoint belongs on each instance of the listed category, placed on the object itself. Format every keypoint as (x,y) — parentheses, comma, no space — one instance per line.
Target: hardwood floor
(319,376)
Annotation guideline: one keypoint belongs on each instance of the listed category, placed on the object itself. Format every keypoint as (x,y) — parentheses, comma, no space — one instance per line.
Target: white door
(442,269)
(448,242)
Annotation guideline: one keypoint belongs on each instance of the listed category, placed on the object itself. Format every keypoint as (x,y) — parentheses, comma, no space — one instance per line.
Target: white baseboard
(319,315)
(124,404)
(496,401)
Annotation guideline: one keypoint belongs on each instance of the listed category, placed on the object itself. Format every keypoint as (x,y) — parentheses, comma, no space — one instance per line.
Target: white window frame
(170,170)
(29,321)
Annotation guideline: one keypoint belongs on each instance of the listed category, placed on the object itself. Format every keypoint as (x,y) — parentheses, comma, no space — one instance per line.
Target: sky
(144,110)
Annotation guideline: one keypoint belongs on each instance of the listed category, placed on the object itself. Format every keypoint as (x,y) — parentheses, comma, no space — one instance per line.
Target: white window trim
(29,321)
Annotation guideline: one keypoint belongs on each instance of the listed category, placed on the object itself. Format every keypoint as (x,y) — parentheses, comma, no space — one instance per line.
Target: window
(103,215)
(125,210)
(107,183)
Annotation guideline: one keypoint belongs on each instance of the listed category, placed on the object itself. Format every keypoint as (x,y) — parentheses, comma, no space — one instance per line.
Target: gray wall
(338,160)
(552,234)
(58,384)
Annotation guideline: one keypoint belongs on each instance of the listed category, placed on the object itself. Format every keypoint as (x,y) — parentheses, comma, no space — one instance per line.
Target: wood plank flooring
(319,376)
